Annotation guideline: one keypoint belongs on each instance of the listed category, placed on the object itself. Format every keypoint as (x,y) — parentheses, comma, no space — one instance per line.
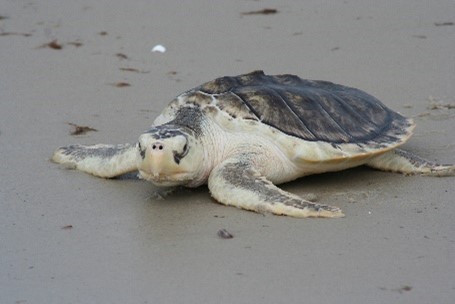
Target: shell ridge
(293,111)
(247,104)
(349,109)
(387,125)
(327,114)
(361,121)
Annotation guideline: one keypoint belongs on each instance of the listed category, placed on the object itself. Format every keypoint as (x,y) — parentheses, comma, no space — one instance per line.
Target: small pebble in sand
(224,234)
(52,45)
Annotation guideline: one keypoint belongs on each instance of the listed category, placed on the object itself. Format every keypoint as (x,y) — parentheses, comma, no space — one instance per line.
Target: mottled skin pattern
(241,175)
(244,135)
(79,152)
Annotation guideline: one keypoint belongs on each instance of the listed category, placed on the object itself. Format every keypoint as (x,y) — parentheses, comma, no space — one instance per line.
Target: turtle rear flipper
(236,182)
(408,163)
(100,160)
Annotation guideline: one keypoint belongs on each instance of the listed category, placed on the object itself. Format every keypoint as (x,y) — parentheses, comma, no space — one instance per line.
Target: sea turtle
(243,135)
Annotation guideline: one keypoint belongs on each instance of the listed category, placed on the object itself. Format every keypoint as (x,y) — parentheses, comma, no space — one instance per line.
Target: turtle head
(169,155)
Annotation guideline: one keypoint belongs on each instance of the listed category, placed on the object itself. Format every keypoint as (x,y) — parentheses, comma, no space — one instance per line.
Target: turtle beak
(156,158)
(155,168)
(159,160)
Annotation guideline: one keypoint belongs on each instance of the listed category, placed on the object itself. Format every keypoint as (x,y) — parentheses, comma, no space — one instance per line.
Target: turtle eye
(179,155)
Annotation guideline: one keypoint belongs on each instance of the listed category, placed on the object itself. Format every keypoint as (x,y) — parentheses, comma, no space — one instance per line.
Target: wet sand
(67,237)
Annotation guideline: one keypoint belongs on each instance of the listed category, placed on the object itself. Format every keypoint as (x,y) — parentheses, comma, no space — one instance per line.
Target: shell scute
(234,106)
(199,99)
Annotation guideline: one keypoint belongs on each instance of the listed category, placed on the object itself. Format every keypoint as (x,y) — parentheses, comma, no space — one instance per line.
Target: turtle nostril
(158,146)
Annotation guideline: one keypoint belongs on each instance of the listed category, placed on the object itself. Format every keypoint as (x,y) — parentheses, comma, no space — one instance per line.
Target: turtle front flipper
(100,160)
(405,162)
(236,182)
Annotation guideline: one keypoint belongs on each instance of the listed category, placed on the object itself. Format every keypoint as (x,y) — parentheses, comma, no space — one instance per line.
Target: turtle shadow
(128,176)
(350,186)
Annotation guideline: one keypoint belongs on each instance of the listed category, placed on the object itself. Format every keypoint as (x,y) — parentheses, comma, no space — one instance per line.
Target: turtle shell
(307,109)
(311,121)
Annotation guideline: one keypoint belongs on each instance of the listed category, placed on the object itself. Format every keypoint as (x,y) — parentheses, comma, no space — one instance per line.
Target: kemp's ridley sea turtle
(243,135)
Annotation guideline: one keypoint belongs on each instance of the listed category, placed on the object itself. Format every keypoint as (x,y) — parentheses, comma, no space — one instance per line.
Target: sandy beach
(68,237)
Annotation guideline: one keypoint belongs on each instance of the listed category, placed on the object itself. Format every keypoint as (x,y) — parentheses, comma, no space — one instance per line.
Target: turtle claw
(304,208)
(324,211)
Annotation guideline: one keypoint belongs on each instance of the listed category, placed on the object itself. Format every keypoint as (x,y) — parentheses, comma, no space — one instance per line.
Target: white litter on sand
(159,48)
